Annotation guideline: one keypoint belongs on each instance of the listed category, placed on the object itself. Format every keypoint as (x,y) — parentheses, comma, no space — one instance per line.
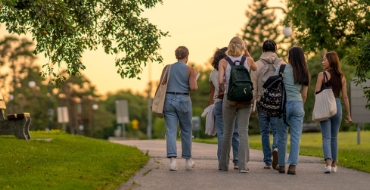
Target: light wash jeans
(329,131)
(178,108)
(229,113)
(265,123)
(294,116)
(217,112)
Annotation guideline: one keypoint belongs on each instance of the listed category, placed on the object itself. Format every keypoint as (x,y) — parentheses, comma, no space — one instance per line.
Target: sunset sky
(201,25)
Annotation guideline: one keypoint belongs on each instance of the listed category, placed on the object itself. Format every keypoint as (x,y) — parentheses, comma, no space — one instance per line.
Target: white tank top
(228,69)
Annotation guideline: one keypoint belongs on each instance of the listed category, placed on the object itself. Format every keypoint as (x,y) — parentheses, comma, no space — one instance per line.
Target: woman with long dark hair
(296,81)
(330,127)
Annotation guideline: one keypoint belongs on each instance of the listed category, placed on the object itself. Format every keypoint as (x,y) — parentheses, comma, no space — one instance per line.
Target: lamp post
(287,31)
(50,110)
(95,107)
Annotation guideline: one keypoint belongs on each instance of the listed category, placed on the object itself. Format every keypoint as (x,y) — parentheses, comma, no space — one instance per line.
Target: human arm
(320,77)
(192,79)
(221,71)
(345,100)
(211,93)
(304,91)
(251,64)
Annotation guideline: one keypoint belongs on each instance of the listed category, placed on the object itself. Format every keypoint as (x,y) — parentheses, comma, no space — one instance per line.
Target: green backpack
(240,90)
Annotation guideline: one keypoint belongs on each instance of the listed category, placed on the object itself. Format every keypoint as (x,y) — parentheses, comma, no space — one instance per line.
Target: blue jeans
(265,123)
(178,108)
(329,131)
(294,116)
(217,111)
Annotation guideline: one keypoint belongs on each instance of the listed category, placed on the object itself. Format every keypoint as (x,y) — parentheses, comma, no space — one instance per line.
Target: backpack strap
(227,58)
(243,60)
(281,70)
(281,73)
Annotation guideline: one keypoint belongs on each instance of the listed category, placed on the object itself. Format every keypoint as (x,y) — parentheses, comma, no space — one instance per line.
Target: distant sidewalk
(205,175)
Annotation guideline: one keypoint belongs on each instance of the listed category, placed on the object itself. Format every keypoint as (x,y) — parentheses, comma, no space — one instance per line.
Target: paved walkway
(205,175)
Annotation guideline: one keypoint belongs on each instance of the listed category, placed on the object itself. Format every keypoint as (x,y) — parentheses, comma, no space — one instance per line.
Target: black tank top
(335,82)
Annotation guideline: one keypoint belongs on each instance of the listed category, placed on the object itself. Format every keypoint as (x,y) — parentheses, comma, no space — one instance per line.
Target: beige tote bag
(158,101)
(325,104)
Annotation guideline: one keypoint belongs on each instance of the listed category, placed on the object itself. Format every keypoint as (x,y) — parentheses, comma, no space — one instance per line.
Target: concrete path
(205,175)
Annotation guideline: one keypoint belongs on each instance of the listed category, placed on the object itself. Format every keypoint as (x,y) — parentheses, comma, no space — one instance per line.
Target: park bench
(16,124)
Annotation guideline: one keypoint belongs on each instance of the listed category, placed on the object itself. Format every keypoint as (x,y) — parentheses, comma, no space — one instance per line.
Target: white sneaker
(327,169)
(334,169)
(189,164)
(173,165)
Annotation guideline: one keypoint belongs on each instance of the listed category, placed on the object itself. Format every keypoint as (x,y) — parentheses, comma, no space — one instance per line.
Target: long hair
(301,73)
(236,47)
(219,54)
(334,63)
(269,45)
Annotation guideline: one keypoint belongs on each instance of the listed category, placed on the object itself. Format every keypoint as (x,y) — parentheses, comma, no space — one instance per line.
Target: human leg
(171,120)
(265,137)
(228,115)
(295,114)
(217,111)
(235,143)
(243,115)
(282,132)
(184,112)
(336,121)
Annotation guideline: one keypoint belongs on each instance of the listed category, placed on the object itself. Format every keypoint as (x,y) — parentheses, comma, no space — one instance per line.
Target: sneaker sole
(174,169)
(190,167)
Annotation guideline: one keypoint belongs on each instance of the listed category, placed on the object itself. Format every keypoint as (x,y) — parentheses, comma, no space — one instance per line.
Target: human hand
(348,120)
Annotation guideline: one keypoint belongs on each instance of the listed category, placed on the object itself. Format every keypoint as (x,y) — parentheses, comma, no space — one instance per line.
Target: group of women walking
(232,122)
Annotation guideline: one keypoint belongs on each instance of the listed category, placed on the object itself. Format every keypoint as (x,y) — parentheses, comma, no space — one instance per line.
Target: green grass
(350,154)
(66,162)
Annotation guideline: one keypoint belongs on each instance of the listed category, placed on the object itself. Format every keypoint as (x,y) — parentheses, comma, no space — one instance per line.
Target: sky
(200,25)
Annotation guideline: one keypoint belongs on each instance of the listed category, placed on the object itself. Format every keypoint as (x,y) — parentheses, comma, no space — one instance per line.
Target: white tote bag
(158,101)
(325,104)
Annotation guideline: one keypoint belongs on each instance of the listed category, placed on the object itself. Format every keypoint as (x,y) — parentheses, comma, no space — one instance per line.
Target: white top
(228,69)
(213,78)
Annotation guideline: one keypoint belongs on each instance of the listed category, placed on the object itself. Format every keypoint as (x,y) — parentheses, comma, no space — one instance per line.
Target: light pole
(287,31)
(50,110)
(95,107)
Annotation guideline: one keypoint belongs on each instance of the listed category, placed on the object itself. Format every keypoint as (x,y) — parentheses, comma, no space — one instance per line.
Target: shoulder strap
(166,75)
(227,58)
(243,60)
(281,70)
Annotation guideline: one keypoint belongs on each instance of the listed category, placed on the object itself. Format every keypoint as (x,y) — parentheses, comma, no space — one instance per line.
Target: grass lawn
(66,162)
(350,154)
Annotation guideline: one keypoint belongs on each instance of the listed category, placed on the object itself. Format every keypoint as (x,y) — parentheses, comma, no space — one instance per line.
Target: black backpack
(240,88)
(273,99)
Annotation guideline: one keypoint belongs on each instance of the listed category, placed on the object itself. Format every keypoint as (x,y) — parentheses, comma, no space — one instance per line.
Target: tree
(64,29)
(262,25)
(340,25)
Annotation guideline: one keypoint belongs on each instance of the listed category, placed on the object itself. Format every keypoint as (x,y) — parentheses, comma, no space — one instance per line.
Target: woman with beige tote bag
(181,79)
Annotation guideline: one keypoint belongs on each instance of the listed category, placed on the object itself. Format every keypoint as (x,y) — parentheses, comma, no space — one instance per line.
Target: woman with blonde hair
(178,107)
(235,52)
(330,127)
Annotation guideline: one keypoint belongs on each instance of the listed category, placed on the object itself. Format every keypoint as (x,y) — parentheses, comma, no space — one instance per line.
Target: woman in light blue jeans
(178,107)
(296,81)
(330,127)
